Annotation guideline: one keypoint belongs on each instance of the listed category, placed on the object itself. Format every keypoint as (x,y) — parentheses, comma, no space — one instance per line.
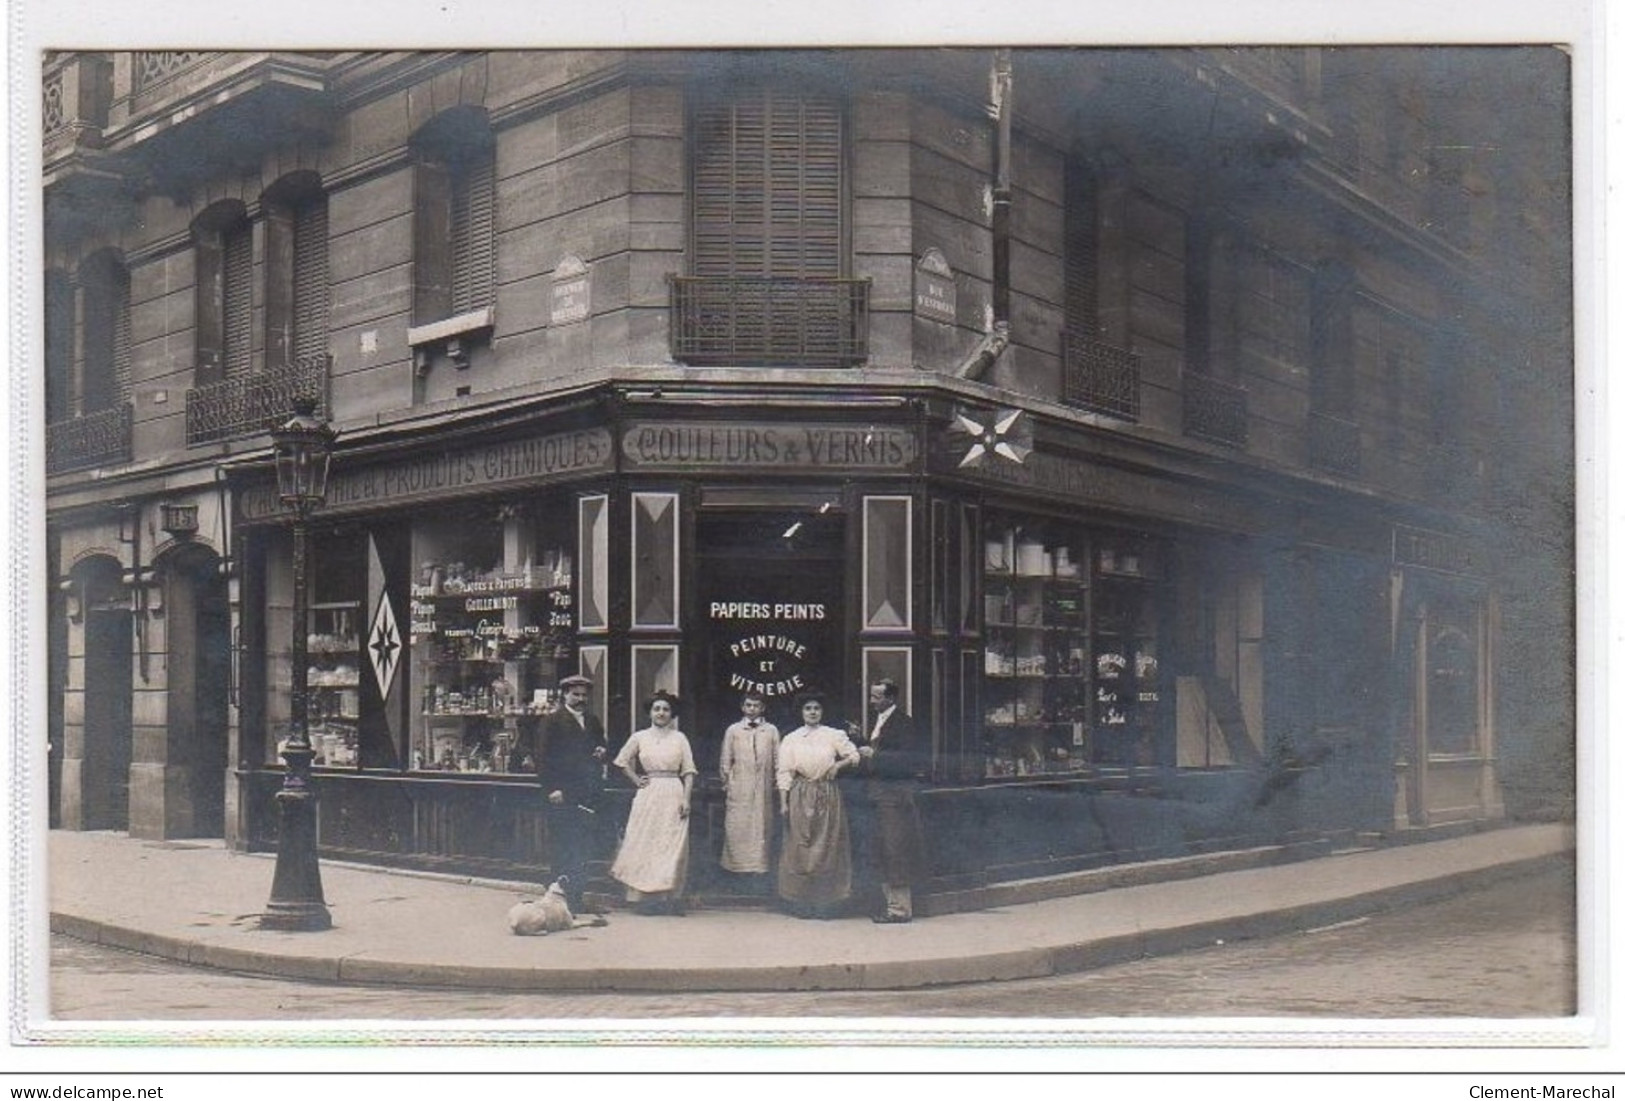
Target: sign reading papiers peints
(935,293)
(765,647)
(571,296)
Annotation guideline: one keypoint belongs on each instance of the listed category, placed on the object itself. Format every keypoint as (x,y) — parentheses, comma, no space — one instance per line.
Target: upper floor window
(296,286)
(225,297)
(59,326)
(768,170)
(768,247)
(454,231)
(1331,340)
(1095,374)
(105,379)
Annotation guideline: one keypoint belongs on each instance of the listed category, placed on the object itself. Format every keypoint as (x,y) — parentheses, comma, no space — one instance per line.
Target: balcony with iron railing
(738,321)
(251,404)
(1334,445)
(164,102)
(94,439)
(1215,410)
(1099,377)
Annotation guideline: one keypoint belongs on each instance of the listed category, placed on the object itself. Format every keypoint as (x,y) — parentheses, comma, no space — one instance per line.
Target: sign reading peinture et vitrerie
(449,473)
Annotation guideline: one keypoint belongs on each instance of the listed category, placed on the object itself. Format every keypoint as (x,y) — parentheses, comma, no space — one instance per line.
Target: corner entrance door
(771,586)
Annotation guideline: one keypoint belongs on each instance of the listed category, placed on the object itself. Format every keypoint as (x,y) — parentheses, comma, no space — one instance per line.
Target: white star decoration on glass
(384,645)
(1005,433)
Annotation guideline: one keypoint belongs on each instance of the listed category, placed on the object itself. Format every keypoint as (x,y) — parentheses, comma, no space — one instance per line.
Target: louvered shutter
(473,233)
(768,187)
(121,339)
(237,301)
(1082,251)
(58,347)
(310,293)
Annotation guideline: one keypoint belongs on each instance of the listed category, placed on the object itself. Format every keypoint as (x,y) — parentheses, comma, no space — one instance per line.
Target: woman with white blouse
(815,865)
(653,857)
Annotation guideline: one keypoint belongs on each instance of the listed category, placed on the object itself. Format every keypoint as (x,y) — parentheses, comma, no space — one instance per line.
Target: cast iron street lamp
(303,447)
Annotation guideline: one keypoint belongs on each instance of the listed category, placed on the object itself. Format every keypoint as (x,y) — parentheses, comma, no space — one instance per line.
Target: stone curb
(1069,958)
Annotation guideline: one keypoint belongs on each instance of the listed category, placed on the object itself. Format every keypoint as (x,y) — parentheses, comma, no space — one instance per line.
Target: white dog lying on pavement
(531,917)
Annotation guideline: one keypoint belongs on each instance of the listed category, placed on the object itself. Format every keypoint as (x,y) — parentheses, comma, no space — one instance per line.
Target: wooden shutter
(768,187)
(473,232)
(121,337)
(237,300)
(431,239)
(1082,251)
(106,378)
(58,347)
(310,293)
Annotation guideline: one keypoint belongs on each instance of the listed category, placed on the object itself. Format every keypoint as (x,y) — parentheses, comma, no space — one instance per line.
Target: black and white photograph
(969,539)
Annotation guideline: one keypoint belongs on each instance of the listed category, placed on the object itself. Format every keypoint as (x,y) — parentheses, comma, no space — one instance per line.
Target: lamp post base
(296,917)
(296,902)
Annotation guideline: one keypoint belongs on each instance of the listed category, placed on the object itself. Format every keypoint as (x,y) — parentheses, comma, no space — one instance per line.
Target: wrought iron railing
(54,107)
(1099,377)
(257,403)
(94,439)
(1215,410)
(739,321)
(1334,444)
(153,66)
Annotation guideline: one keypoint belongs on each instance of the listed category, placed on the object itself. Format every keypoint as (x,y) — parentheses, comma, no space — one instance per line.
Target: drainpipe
(994,342)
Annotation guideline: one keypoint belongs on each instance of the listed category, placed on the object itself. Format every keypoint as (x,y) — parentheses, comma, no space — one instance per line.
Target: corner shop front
(1037,616)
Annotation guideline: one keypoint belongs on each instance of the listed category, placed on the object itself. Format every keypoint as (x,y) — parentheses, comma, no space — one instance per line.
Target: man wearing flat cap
(571,770)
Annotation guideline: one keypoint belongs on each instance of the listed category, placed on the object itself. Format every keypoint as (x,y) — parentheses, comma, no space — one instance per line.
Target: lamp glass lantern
(303,449)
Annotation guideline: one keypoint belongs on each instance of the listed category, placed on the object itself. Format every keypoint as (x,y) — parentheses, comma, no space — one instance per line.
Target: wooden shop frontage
(1121,653)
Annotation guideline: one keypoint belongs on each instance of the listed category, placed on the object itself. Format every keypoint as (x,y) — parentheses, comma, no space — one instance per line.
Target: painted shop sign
(1050,475)
(713,445)
(450,473)
(765,647)
(1433,550)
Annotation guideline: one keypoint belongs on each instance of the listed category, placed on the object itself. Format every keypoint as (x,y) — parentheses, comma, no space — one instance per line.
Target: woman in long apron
(815,865)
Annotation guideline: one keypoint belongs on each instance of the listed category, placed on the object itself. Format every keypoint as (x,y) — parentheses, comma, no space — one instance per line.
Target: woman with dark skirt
(815,864)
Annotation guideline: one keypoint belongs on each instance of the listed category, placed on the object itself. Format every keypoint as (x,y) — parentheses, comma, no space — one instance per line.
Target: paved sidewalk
(198,902)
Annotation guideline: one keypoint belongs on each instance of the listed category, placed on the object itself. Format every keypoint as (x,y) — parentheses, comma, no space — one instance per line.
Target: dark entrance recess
(771,586)
(108,735)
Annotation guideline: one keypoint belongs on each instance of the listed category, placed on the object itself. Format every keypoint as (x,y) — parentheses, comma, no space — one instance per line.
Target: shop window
(939,566)
(105,382)
(888,562)
(893,663)
(594,557)
(1072,673)
(654,560)
(654,669)
(224,251)
(595,666)
(296,279)
(1452,680)
(454,229)
(491,634)
(970,569)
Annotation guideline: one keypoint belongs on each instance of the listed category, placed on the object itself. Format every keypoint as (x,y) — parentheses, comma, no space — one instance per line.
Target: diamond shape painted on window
(384,645)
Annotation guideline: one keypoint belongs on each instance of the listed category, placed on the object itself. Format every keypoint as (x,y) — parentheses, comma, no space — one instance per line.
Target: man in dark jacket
(894,762)
(571,770)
